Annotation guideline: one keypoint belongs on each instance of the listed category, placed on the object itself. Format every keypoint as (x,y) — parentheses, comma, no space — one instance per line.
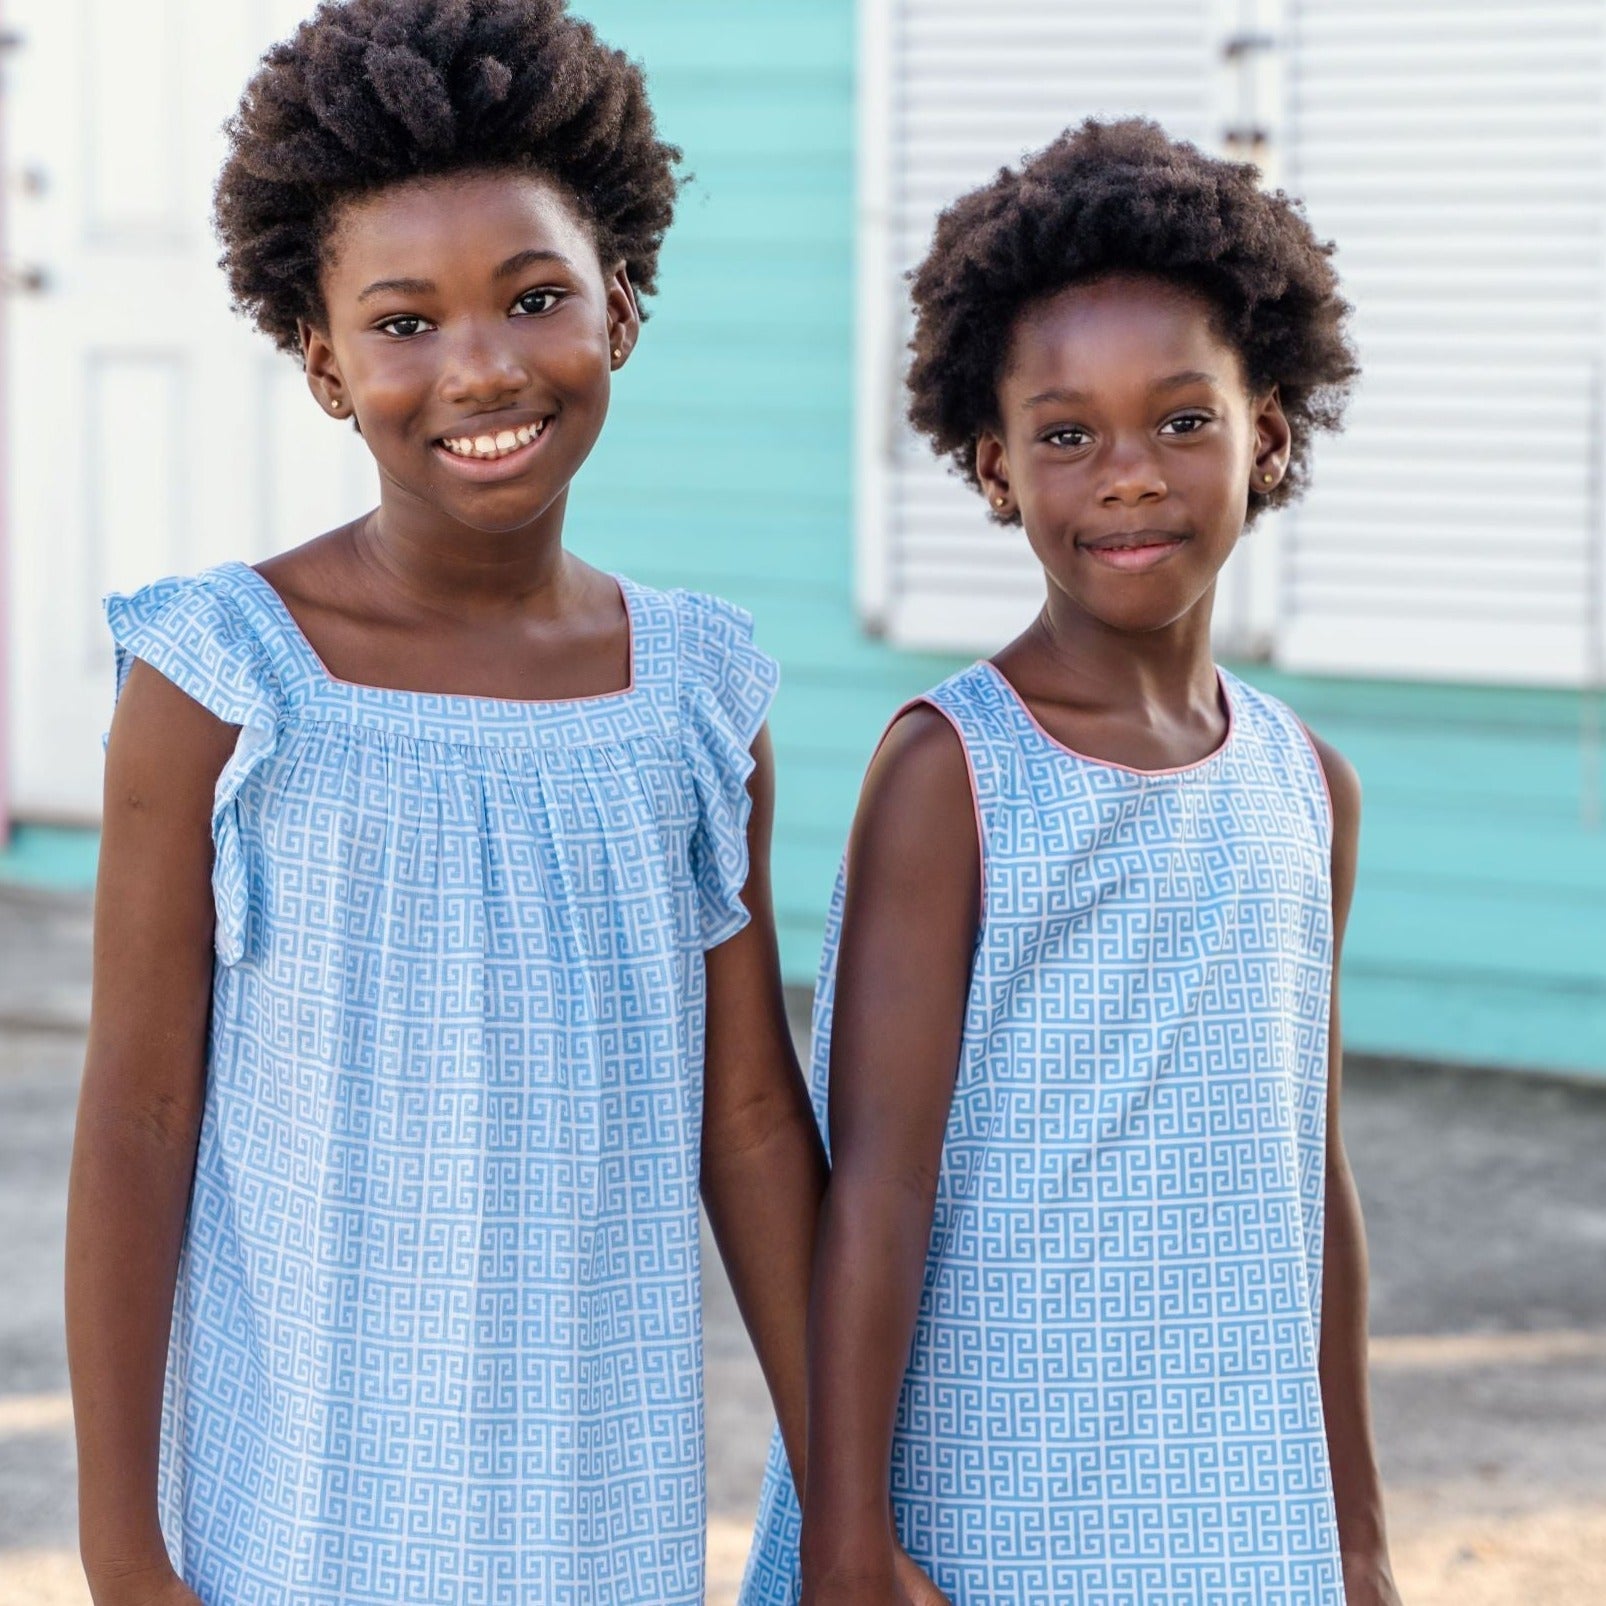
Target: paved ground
(1486,1201)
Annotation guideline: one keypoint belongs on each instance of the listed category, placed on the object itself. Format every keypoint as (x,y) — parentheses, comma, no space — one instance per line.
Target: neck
(1171,668)
(437,561)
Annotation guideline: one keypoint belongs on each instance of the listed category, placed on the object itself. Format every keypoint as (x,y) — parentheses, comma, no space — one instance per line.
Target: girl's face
(471,330)
(1129,444)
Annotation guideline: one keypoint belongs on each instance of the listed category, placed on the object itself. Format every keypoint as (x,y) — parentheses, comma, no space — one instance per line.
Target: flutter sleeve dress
(437,1332)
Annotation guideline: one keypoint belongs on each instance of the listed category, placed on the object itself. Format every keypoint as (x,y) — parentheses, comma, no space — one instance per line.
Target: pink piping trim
(975,790)
(404,691)
(1109,764)
(1321,770)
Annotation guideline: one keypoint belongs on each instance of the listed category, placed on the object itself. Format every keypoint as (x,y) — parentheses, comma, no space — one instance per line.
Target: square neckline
(268,593)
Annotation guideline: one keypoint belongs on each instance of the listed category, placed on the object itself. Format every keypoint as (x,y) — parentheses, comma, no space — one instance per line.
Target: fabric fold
(726,690)
(191,635)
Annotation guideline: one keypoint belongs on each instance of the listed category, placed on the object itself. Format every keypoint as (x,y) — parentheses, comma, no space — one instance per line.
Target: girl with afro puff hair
(1090,1300)
(435,962)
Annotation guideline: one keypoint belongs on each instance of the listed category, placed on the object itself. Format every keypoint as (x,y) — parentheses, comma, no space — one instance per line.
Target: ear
(1274,441)
(992,469)
(624,316)
(323,372)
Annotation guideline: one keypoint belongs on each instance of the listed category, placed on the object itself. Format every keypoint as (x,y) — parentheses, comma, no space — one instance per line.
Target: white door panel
(151,431)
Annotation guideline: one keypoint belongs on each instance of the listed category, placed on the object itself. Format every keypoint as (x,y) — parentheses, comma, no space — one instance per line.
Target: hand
(151,1586)
(898,1582)
(1369,1579)
(914,1588)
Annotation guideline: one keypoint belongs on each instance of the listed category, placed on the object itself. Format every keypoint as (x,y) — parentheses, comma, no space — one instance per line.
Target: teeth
(492,446)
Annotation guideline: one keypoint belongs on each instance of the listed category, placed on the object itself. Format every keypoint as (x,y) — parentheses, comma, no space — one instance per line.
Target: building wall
(1480,927)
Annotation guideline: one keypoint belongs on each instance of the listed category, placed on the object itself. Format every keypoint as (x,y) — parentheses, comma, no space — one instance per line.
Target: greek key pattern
(437,1334)
(1112,1398)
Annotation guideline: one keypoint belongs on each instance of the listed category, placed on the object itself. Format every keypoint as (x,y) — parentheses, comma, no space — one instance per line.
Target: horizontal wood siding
(726,463)
(1479,932)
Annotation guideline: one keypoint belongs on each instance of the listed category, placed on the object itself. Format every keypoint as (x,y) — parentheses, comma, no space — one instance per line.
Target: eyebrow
(517,263)
(1189,376)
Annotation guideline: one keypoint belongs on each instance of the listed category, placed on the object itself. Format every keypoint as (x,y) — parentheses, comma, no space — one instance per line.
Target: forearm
(873,1242)
(1346,1405)
(763,1200)
(126,1208)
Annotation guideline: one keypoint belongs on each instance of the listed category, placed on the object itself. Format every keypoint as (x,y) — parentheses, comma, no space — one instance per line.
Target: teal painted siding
(727,461)
(1479,932)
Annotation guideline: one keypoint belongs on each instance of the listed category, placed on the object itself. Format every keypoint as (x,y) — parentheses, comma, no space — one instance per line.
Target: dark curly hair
(1123,197)
(368,93)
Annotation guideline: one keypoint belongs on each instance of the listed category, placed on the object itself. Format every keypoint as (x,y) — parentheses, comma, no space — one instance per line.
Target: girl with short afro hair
(1122,197)
(376,92)
(436,969)
(1089,1311)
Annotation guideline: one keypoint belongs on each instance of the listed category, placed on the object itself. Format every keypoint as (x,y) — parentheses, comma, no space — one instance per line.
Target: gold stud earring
(998,501)
(1268,478)
(618,354)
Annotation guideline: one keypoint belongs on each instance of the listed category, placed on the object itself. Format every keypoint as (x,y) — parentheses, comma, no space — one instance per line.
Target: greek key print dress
(437,1331)
(1112,1395)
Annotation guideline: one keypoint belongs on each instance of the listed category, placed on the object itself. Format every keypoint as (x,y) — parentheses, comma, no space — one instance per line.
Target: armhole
(975,792)
(1321,776)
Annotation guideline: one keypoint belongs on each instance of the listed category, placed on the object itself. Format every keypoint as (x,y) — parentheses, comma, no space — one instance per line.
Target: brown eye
(535,302)
(402,327)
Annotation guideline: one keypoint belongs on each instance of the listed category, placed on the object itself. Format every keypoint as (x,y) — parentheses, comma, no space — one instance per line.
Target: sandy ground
(1486,1203)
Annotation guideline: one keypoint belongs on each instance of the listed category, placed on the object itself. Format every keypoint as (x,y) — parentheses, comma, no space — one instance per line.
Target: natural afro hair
(368,93)
(1124,198)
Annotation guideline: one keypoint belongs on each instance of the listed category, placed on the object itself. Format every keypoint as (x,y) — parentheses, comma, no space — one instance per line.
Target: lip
(482,470)
(1134,551)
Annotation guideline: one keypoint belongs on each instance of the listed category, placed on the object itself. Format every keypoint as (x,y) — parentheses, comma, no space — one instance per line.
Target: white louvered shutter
(1456,151)
(955,90)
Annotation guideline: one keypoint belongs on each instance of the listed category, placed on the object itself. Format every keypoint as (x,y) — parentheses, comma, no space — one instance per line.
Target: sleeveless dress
(437,1334)
(1112,1395)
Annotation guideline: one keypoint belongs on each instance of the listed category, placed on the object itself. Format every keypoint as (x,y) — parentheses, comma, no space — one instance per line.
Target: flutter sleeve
(191,633)
(726,688)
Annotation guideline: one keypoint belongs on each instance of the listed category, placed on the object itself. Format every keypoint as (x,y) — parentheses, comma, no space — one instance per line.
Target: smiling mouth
(491,448)
(1141,549)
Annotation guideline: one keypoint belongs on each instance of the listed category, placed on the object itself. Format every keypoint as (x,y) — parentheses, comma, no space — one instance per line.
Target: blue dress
(1112,1396)
(437,1333)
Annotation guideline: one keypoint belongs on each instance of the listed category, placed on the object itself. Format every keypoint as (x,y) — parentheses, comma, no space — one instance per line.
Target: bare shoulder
(914,844)
(162,742)
(919,777)
(307,574)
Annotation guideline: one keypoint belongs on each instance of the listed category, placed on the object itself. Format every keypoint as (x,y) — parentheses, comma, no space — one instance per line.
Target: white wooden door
(150,431)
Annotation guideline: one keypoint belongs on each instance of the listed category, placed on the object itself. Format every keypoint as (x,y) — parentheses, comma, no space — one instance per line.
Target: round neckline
(303,645)
(1223,691)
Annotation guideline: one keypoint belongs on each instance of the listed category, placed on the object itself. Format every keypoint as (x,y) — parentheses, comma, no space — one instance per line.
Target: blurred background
(1437,608)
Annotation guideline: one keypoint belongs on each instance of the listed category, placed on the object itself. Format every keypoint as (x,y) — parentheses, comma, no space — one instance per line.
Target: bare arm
(913,895)
(138,1116)
(1346,1403)
(763,1165)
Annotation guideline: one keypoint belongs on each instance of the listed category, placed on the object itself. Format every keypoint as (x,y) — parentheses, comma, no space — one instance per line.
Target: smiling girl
(435,961)
(1091,1289)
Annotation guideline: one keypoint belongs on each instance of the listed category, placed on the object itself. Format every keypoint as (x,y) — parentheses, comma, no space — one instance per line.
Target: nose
(1131,475)
(482,366)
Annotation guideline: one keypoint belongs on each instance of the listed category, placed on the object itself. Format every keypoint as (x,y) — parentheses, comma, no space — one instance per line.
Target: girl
(409,1166)
(1078,1302)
